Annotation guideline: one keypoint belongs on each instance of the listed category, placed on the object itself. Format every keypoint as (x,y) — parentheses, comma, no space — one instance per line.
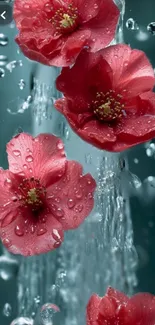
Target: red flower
(54,32)
(41,195)
(108,97)
(115,308)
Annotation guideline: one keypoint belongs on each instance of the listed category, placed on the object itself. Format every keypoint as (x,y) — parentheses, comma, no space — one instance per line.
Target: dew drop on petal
(71,203)
(80,207)
(8,182)
(19,231)
(7,242)
(29,158)
(57,235)
(60,145)
(59,212)
(16,153)
(41,231)
(7,309)
(78,194)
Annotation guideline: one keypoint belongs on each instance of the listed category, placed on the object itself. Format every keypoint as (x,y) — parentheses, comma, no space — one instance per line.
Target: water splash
(42,101)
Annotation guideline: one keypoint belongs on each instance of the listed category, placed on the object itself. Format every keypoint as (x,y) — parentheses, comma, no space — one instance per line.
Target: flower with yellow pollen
(108,107)
(65,19)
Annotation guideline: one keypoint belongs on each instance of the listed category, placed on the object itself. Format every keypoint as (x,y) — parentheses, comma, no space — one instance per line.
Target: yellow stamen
(67,21)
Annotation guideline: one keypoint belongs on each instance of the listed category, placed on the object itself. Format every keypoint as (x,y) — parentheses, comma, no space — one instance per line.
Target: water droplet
(19,231)
(66,132)
(29,158)
(47,313)
(60,145)
(14,198)
(21,84)
(136,161)
(32,229)
(48,7)
(8,182)
(71,203)
(22,321)
(16,153)
(14,64)
(7,310)
(135,181)
(132,24)
(80,208)
(150,149)
(3,60)
(8,267)
(59,212)
(78,194)
(2,73)
(88,158)
(25,166)
(151,28)
(41,231)
(57,235)
(95,6)
(7,242)
(3,40)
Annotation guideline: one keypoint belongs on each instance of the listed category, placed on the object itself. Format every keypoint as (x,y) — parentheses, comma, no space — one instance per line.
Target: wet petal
(42,157)
(136,129)
(93,309)
(103,25)
(71,199)
(99,134)
(132,70)
(8,202)
(28,238)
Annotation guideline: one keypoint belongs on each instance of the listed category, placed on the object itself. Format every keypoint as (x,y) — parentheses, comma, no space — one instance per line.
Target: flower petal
(32,238)
(42,157)
(132,70)
(8,202)
(93,310)
(87,9)
(101,33)
(74,194)
(140,310)
(136,129)
(116,295)
(73,46)
(88,72)
(99,134)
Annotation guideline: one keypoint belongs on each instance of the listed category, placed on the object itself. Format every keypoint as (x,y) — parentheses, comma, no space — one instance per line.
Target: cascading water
(85,262)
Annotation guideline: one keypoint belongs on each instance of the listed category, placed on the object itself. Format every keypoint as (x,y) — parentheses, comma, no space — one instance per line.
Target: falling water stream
(54,288)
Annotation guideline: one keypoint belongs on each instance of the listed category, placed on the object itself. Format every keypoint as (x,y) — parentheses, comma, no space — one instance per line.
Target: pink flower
(115,308)
(54,32)
(41,195)
(109,100)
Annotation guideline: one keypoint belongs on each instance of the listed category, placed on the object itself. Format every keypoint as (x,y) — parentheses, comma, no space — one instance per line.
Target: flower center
(108,107)
(64,20)
(31,193)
